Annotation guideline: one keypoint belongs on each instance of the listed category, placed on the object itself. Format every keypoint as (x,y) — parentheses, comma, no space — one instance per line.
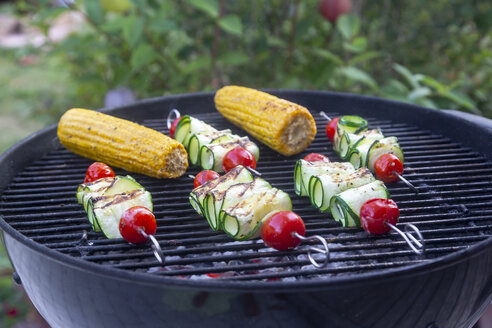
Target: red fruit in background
(332,9)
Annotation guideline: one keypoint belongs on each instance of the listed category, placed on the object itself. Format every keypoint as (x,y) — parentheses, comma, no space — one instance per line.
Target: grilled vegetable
(279,228)
(197,197)
(280,124)
(207,146)
(237,203)
(243,220)
(376,213)
(304,170)
(322,188)
(134,219)
(121,143)
(106,199)
(360,147)
(345,206)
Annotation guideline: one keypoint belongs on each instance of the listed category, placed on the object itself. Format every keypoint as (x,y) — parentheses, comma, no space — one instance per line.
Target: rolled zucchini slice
(383,146)
(107,210)
(243,220)
(345,207)
(348,124)
(198,140)
(324,187)
(239,174)
(216,201)
(304,170)
(188,126)
(212,155)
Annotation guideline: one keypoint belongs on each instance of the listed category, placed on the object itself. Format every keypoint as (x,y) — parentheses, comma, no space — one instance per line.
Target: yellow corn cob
(121,143)
(280,124)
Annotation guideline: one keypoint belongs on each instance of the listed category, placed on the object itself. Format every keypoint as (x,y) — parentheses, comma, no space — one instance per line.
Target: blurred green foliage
(436,54)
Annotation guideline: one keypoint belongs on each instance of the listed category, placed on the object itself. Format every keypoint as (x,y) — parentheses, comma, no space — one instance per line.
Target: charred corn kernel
(280,124)
(121,143)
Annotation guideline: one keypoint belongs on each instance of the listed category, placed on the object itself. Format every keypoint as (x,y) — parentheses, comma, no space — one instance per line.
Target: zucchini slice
(243,220)
(107,210)
(188,126)
(345,206)
(383,146)
(239,174)
(323,188)
(197,140)
(304,170)
(212,155)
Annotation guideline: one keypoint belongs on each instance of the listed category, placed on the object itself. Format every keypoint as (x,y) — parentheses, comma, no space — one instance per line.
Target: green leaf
(162,26)
(358,45)
(114,25)
(234,58)
(348,26)
(420,92)
(231,24)
(462,100)
(353,73)
(328,55)
(197,64)
(133,30)
(411,79)
(211,7)
(364,57)
(275,42)
(143,55)
(94,11)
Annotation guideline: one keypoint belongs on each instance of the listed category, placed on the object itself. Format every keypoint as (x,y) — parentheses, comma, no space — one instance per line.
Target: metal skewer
(325,251)
(325,116)
(173,114)
(417,246)
(156,248)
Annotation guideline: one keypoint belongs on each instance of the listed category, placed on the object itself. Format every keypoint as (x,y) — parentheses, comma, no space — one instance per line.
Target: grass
(31,95)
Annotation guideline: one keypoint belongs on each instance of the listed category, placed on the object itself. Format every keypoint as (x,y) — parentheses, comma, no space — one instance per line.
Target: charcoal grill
(77,278)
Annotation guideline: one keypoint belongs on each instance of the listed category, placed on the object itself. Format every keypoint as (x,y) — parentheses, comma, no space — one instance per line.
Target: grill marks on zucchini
(106,199)
(338,188)
(207,146)
(237,203)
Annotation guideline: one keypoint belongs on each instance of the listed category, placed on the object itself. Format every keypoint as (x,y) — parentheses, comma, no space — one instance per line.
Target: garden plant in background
(436,54)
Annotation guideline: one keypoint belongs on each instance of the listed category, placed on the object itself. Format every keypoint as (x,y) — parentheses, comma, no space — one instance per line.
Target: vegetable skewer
(368,148)
(209,148)
(353,197)
(272,218)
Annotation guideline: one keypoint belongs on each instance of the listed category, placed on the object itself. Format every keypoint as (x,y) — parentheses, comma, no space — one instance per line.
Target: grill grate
(453,211)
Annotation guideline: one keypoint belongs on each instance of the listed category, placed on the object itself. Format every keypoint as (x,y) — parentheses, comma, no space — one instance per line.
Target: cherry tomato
(376,212)
(98,170)
(204,176)
(386,165)
(134,218)
(277,231)
(331,128)
(172,129)
(315,157)
(238,156)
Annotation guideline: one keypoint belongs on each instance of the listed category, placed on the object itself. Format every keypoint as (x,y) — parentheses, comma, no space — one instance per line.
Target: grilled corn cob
(280,124)
(121,143)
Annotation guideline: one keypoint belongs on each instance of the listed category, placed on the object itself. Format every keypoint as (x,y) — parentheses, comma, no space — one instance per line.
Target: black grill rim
(473,132)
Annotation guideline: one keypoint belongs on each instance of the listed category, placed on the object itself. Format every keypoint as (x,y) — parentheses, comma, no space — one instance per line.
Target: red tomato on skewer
(277,231)
(331,128)
(204,176)
(135,218)
(375,213)
(315,157)
(98,170)
(386,165)
(172,129)
(238,156)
